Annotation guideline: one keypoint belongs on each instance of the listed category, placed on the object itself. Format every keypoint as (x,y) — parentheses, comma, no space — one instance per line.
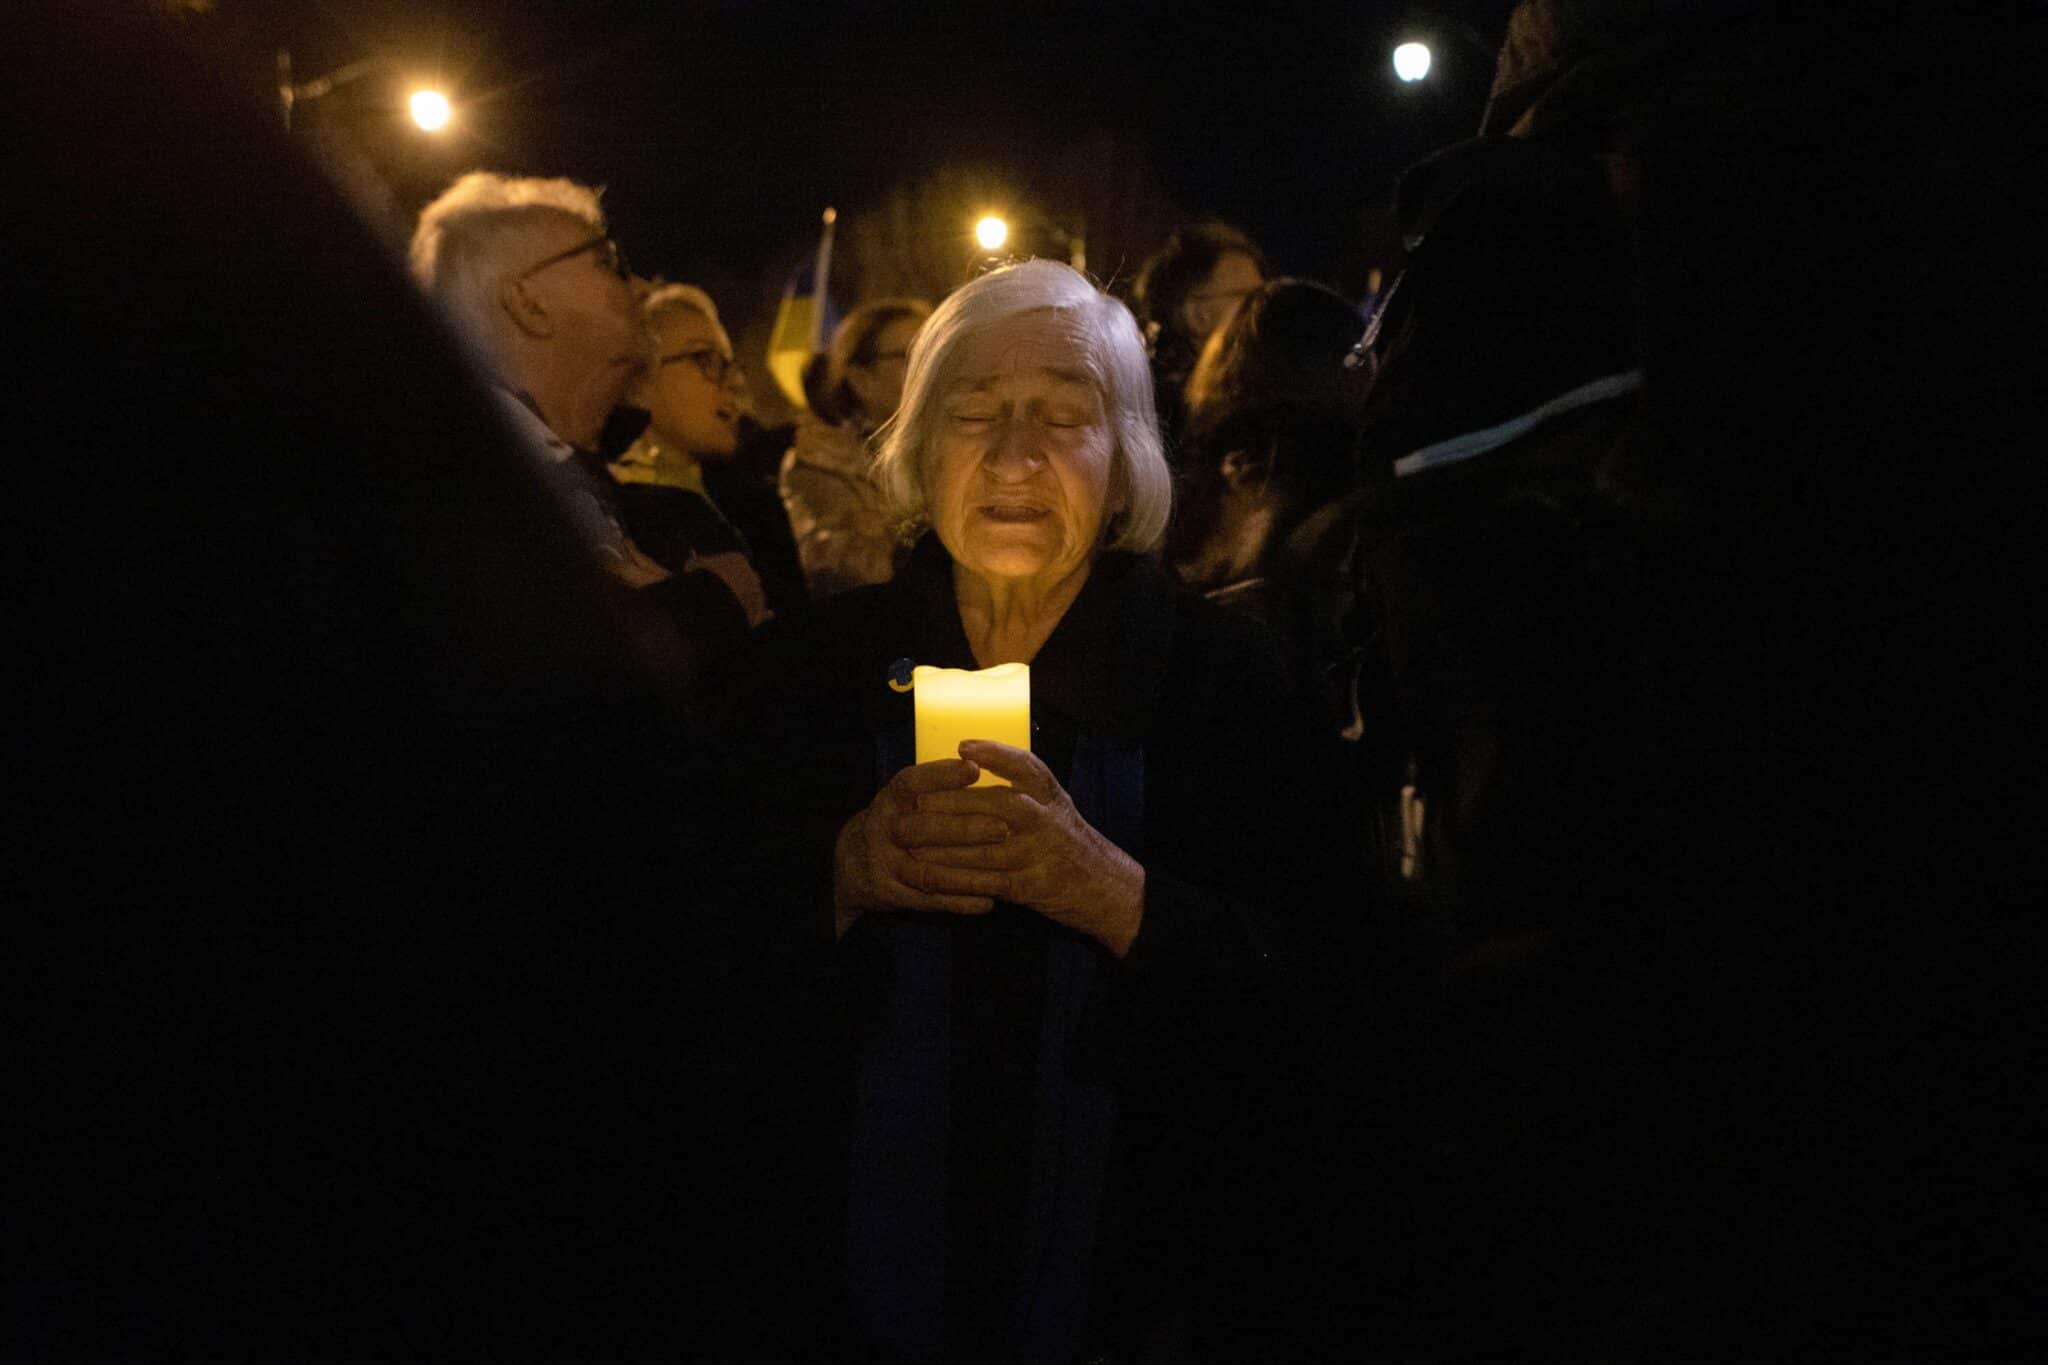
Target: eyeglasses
(608,252)
(714,364)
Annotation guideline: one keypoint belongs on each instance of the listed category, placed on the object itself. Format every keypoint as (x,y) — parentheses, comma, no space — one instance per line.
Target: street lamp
(1415,54)
(991,232)
(431,109)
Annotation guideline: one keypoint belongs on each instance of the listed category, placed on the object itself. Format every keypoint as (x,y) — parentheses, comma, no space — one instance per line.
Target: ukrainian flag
(804,320)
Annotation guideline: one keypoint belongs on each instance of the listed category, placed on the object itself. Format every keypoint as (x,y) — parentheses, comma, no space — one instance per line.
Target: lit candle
(959,703)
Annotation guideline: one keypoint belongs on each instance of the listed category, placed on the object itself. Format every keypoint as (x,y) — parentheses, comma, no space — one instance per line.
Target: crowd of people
(1466,896)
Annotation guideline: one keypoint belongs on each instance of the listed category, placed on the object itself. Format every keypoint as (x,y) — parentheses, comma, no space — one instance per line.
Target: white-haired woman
(1050,977)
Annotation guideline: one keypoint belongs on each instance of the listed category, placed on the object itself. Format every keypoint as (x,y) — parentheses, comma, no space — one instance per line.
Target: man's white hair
(482,227)
(1140,485)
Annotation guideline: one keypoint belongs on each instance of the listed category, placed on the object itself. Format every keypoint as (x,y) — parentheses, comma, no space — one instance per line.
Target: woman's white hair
(1140,485)
(669,298)
(483,226)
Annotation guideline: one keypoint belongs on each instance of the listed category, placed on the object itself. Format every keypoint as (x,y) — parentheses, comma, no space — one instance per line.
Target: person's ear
(524,308)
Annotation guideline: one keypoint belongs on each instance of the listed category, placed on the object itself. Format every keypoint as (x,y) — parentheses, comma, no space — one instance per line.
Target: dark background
(315,697)
(721,130)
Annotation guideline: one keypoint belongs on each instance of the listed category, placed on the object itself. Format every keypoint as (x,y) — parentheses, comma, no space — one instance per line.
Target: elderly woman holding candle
(1060,958)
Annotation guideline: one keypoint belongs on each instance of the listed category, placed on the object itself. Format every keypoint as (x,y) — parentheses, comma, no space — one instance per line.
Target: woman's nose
(1013,451)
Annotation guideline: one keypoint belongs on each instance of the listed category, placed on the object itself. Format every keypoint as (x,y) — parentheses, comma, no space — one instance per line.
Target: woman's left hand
(1051,861)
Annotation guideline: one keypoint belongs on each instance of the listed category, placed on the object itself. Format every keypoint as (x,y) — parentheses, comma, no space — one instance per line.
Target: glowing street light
(430,110)
(991,232)
(1423,31)
(1411,61)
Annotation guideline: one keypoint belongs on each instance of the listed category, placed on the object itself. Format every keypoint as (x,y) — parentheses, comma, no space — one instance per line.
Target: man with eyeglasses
(527,273)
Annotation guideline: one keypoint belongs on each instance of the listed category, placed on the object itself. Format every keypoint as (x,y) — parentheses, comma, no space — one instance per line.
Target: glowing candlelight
(958,703)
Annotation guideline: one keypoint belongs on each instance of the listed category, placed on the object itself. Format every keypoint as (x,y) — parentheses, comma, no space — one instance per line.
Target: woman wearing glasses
(693,398)
(843,534)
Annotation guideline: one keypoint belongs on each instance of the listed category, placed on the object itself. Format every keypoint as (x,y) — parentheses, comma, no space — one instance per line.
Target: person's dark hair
(1174,271)
(813,380)
(853,343)
(1272,386)
(1284,348)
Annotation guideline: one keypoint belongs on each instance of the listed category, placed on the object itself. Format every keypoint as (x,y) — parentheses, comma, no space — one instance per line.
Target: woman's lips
(1014,512)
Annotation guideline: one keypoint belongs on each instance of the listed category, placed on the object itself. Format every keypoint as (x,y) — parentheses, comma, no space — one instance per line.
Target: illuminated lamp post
(431,109)
(1415,55)
(992,231)
(1412,61)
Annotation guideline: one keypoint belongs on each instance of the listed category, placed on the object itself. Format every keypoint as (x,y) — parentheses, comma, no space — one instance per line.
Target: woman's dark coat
(1195,1027)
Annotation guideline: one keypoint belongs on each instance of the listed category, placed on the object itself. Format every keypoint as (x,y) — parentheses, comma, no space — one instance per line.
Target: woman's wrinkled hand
(875,866)
(1047,857)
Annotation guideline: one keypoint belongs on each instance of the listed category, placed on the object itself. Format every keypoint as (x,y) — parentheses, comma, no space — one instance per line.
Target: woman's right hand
(872,864)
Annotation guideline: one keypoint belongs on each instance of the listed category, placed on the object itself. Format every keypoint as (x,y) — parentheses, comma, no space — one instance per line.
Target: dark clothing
(1500,613)
(744,489)
(1265,540)
(1844,500)
(704,618)
(1179,1032)
(675,526)
(1682,668)
(1306,591)
(1173,360)
(361,982)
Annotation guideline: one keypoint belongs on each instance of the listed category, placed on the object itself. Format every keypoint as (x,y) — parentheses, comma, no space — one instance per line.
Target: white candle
(959,703)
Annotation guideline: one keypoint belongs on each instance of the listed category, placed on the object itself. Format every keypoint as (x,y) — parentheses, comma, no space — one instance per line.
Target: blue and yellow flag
(804,320)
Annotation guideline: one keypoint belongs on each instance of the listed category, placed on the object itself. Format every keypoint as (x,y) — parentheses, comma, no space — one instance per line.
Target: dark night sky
(721,129)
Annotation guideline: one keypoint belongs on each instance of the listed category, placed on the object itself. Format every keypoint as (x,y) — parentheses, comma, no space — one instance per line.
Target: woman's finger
(1008,856)
(938,879)
(908,899)
(941,774)
(1006,804)
(1023,769)
(922,828)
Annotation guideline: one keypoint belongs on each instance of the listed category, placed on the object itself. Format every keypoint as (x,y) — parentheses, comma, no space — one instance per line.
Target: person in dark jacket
(1272,435)
(1695,577)
(744,489)
(1062,990)
(363,976)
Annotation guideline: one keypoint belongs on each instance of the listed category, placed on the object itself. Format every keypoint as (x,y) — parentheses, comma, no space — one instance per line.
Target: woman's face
(1019,469)
(879,383)
(693,391)
(1209,303)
